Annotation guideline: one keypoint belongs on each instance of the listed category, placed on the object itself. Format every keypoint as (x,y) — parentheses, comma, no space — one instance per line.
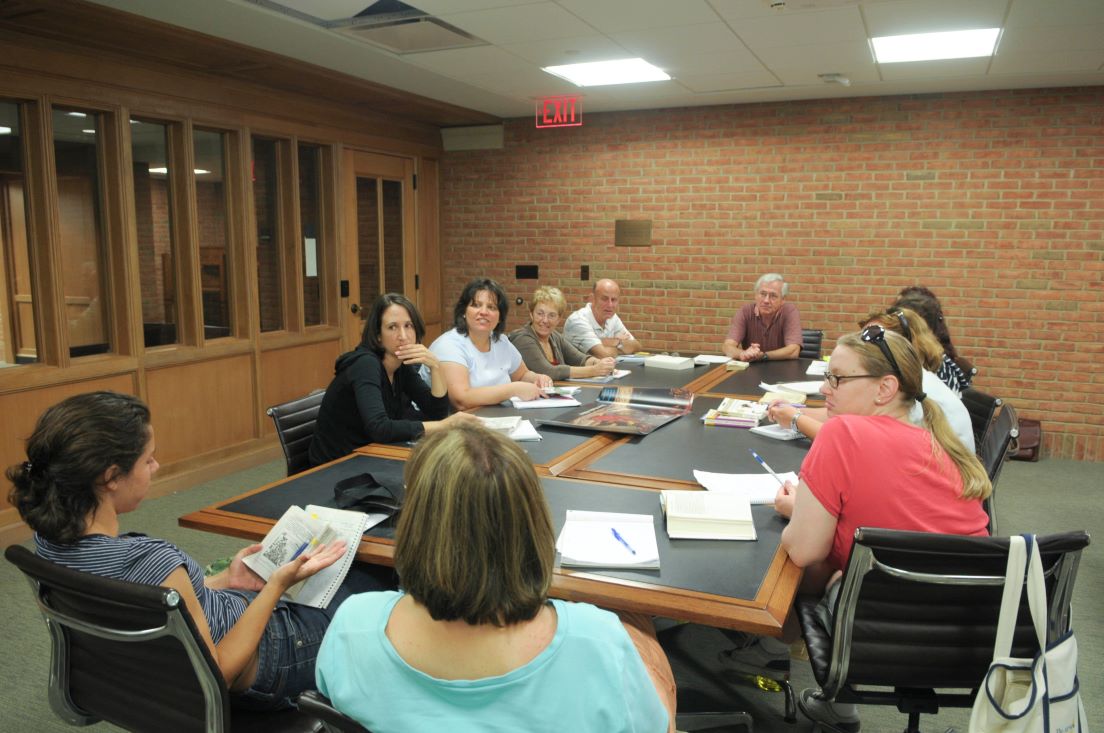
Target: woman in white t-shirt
(481,367)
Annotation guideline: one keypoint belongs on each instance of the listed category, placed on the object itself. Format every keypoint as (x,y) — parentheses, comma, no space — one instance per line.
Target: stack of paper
(608,540)
(617,374)
(663,361)
(706,359)
(736,366)
(702,515)
(817,368)
(757,488)
(501,424)
(777,432)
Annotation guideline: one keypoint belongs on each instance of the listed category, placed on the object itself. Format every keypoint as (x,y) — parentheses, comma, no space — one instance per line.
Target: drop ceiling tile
(557,51)
(850,56)
(1053,38)
(461,62)
(437,7)
(1025,13)
(326,9)
(930,16)
(722,81)
(711,63)
(935,69)
(801,29)
(520,24)
(615,16)
(1048,62)
(669,43)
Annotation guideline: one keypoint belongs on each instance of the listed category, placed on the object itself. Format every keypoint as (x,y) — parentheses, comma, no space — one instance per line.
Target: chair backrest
(999,443)
(982,407)
(920,610)
(810,343)
(315,703)
(123,652)
(295,423)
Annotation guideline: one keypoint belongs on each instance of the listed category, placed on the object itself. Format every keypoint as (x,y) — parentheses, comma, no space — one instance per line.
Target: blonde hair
(975,481)
(474,540)
(551,295)
(917,331)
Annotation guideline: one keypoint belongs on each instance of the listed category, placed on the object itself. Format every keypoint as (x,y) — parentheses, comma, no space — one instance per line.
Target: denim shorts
(292,636)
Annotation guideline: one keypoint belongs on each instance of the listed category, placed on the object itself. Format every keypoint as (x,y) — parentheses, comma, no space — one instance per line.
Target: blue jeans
(289,645)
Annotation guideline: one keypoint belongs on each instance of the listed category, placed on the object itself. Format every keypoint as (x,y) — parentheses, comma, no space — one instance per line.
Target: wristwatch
(793,422)
(764,357)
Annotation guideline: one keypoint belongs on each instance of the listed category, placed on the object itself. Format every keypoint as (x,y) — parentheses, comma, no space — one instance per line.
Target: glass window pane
(368,240)
(392,237)
(211,192)
(153,217)
(266,208)
(310,214)
(84,266)
(17,332)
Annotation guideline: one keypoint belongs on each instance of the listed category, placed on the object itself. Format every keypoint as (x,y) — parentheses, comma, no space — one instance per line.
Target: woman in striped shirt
(91,459)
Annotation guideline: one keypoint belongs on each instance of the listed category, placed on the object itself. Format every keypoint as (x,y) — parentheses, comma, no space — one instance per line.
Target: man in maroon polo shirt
(769,328)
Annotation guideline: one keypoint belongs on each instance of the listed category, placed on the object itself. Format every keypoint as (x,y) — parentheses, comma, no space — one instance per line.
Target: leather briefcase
(1030,441)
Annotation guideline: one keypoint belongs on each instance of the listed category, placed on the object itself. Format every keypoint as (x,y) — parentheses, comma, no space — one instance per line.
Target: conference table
(728,584)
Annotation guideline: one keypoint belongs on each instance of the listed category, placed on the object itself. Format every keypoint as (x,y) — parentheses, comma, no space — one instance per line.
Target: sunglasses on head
(875,334)
(900,315)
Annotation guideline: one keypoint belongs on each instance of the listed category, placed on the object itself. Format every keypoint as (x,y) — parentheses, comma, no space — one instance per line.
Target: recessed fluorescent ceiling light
(602,73)
(5,130)
(935,46)
(162,170)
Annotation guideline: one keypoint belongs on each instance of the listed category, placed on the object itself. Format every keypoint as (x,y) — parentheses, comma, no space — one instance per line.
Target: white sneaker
(753,658)
(838,717)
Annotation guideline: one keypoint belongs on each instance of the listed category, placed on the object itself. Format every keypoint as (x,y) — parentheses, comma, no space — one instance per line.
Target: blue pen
(769,469)
(302,547)
(617,536)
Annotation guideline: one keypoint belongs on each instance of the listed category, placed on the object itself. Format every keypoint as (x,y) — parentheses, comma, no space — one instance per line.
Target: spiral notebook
(299,530)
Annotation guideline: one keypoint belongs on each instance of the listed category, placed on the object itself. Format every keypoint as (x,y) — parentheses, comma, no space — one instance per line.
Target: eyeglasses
(875,334)
(900,315)
(835,379)
(769,295)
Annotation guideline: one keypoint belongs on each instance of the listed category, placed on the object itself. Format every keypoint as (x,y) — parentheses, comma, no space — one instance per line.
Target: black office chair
(295,423)
(810,343)
(129,654)
(982,407)
(313,702)
(916,617)
(999,443)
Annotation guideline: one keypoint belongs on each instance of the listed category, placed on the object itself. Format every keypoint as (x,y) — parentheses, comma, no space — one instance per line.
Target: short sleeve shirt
(488,369)
(581,329)
(748,328)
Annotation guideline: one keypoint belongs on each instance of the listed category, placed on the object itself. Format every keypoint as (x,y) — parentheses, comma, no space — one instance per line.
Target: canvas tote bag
(1029,695)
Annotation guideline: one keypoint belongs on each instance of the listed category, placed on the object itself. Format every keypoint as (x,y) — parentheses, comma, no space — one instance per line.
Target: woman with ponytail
(870,466)
(91,459)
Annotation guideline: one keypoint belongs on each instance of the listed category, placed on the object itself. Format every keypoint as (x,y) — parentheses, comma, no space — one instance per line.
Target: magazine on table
(633,410)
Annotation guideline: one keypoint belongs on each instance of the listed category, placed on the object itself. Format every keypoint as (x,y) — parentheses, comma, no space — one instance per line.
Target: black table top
(678,447)
(746,382)
(728,568)
(642,376)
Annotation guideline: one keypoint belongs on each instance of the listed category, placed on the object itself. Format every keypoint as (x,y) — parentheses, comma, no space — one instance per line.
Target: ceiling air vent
(389,24)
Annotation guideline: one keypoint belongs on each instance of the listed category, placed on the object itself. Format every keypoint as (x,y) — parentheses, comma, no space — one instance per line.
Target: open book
(633,410)
(704,515)
(299,531)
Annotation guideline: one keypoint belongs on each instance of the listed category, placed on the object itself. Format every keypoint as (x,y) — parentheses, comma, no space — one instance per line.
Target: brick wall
(994,200)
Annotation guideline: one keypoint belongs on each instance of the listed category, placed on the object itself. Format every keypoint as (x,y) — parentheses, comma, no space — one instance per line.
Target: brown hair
(975,481)
(915,329)
(475,539)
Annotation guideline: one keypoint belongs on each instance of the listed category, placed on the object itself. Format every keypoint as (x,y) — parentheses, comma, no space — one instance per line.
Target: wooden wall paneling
(124,297)
(427,199)
(22,409)
(51,328)
(410,230)
(287,374)
(202,407)
(74,71)
(329,236)
(291,239)
(347,249)
(185,233)
(241,234)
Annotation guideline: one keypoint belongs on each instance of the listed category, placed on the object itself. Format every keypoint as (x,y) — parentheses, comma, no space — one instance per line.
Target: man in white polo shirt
(595,328)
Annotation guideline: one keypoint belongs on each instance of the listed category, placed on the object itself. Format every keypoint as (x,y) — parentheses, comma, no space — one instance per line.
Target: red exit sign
(560,112)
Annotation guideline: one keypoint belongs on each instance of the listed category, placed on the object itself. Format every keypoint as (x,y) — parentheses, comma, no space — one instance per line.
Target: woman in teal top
(474,644)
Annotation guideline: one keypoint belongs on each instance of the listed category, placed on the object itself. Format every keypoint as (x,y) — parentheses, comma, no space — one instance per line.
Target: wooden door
(379,249)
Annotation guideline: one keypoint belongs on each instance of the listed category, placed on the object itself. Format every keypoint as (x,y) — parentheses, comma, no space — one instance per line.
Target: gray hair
(772,277)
